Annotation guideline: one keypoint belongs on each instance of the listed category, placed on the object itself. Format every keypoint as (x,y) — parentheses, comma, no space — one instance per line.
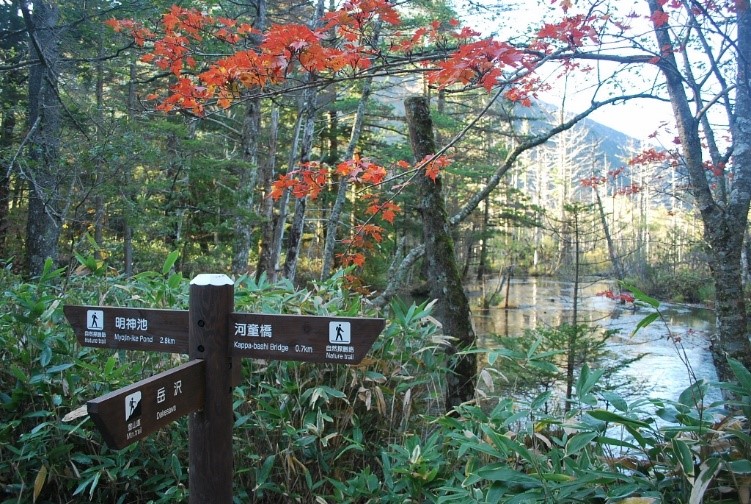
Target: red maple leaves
(433,165)
(648,156)
(284,49)
(481,62)
(623,297)
(309,179)
(573,31)
(338,47)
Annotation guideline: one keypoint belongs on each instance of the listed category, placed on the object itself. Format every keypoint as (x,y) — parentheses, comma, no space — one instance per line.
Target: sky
(637,118)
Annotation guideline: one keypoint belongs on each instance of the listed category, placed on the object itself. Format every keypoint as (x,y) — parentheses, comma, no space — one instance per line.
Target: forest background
(273,141)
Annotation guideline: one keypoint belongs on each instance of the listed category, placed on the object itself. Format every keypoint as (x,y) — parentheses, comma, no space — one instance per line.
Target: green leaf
(49,273)
(645,322)
(547,367)
(623,491)
(94,483)
(610,441)
(641,296)
(587,380)
(265,471)
(45,356)
(505,353)
(685,457)
(506,474)
(579,442)
(60,367)
(375,376)
(617,401)
(18,373)
(742,374)
(609,416)
(742,466)
(554,477)
(694,393)
(533,348)
(323,392)
(109,366)
(707,474)
(177,467)
(540,400)
(174,280)
(170,261)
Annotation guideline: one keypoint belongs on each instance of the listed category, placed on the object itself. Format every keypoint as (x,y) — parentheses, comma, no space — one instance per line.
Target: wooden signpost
(132,413)
(215,338)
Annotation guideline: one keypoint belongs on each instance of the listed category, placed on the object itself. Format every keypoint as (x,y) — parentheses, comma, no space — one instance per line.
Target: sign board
(303,338)
(216,338)
(129,328)
(133,412)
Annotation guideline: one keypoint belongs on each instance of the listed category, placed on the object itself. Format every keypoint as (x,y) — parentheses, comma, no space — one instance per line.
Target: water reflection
(540,302)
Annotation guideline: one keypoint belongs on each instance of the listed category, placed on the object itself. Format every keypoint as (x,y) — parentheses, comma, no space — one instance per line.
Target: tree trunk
(44,220)
(251,133)
(614,258)
(99,175)
(482,267)
(132,104)
(336,211)
(571,356)
(341,196)
(294,239)
(243,232)
(265,262)
(307,125)
(281,220)
(452,308)
(6,141)
(11,95)
(724,221)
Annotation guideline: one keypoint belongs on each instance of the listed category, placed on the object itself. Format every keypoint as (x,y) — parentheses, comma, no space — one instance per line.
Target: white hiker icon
(133,405)
(339,332)
(95,320)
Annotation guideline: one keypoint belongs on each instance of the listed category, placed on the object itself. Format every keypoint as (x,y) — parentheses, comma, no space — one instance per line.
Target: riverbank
(676,347)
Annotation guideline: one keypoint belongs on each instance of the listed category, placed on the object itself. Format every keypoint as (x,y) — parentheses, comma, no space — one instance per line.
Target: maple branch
(26,139)
(613,58)
(399,272)
(223,125)
(716,98)
(28,62)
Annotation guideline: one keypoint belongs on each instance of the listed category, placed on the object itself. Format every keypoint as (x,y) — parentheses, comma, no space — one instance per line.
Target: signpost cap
(212,279)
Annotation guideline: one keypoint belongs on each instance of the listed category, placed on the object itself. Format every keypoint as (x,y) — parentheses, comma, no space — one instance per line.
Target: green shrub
(373,433)
(682,285)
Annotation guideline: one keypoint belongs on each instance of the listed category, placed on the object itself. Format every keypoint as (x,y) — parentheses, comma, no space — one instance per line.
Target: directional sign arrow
(129,328)
(133,412)
(303,338)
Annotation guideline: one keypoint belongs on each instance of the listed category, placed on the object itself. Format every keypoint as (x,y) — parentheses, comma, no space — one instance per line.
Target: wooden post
(445,283)
(210,430)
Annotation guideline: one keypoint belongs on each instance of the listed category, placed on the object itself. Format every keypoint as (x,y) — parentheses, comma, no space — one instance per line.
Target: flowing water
(542,302)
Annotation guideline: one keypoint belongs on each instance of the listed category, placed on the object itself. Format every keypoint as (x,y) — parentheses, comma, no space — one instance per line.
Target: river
(543,302)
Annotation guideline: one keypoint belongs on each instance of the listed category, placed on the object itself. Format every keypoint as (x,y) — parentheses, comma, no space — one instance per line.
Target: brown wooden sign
(215,339)
(133,412)
(303,338)
(129,328)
